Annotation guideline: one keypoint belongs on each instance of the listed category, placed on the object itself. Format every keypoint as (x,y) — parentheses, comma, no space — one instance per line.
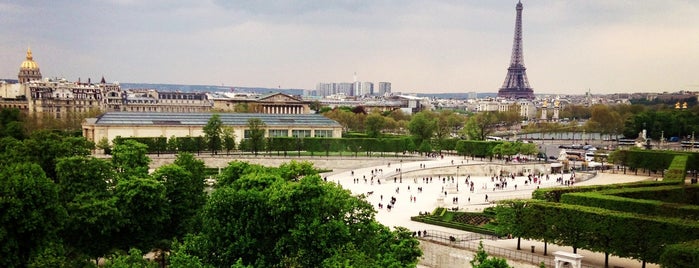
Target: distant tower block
(556,110)
(516,85)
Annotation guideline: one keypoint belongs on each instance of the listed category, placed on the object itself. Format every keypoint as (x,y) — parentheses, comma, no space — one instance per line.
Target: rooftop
(201,119)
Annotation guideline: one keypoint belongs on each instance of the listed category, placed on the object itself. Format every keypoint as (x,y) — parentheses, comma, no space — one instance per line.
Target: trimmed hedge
(683,255)
(607,218)
(638,206)
(464,227)
(623,234)
(677,171)
(654,160)
(674,176)
(688,194)
(554,194)
(476,148)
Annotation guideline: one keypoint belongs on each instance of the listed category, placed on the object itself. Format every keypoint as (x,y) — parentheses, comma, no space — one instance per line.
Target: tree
(104,145)
(45,147)
(193,165)
(528,149)
(180,258)
(425,147)
(481,260)
(509,117)
(315,106)
(159,144)
(212,133)
(294,171)
(130,160)
(185,195)
(31,213)
(79,175)
(257,134)
(342,116)
(422,126)
(143,206)
(374,124)
(228,139)
(321,220)
(173,144)
(604,120)
(134,259)
(11,124)
(448,123)
(480,125)
(510,218)
(85,185)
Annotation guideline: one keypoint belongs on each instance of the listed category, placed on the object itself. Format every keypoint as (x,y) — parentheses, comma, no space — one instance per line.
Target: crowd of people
(434,189)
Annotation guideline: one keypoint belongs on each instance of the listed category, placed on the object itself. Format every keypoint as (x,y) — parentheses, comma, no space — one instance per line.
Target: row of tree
(61,207)
(608,119)
(84,207)
(609,221)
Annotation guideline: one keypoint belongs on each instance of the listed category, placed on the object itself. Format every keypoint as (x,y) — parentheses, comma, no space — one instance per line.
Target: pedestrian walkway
(413,195)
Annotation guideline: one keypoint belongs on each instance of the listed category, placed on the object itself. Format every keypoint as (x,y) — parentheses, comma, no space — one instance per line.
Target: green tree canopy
(130,159)
(185,196)
(228,139)
(143,206)
(480,125)
(256,136)
(481,260)
(374,124)
(422,126)
(212,133)
(303,223)
(31,213)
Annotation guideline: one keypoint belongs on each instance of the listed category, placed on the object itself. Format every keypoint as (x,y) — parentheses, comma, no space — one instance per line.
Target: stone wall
(441,255)
(482,169)
(337,164)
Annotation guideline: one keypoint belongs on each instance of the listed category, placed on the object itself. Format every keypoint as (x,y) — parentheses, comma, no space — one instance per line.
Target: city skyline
(426,47)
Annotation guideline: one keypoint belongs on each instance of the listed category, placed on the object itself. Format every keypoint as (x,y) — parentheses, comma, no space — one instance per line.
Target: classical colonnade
(279,109)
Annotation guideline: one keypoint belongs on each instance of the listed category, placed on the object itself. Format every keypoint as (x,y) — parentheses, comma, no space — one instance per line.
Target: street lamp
(400,171)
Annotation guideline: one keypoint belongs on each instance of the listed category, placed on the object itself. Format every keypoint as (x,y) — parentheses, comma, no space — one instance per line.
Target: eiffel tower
(516,85)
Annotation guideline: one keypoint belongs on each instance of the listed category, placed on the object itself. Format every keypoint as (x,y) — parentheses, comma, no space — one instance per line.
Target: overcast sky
(425,46)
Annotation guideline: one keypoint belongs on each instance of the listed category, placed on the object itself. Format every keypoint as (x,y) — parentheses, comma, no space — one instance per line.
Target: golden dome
(29,63)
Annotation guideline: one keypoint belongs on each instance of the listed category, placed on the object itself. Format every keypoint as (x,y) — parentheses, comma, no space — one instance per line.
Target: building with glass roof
(131,124)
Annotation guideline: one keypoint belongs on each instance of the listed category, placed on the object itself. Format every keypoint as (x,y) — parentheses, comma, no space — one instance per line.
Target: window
(324,133)
(278,133)
(301,133)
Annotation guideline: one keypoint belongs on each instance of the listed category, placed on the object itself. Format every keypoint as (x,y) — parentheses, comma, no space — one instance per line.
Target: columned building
(280,103)
(276,103)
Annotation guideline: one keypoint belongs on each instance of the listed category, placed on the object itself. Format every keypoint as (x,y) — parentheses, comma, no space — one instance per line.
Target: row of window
(296,133)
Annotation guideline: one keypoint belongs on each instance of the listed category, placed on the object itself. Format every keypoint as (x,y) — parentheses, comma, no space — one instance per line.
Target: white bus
(592,156)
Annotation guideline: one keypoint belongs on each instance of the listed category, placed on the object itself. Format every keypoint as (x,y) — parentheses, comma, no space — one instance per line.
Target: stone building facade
(150,124)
